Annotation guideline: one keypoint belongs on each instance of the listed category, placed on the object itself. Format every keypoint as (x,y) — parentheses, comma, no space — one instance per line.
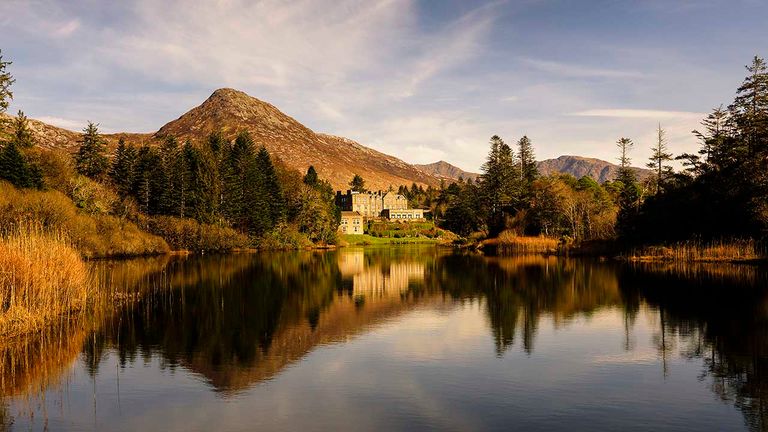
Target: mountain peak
(444,170)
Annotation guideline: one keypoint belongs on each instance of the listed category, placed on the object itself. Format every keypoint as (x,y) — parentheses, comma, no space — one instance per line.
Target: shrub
(188,234)
(284,236)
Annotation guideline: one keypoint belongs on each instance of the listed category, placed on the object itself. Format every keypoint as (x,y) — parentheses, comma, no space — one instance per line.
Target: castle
(357,206)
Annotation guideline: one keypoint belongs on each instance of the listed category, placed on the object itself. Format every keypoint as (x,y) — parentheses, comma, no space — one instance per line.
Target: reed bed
(510,242)
(42,280)
(732,250)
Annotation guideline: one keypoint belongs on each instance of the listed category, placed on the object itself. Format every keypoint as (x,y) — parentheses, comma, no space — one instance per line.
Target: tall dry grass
(509,242)
(93,235)
(698,251)
(42,279)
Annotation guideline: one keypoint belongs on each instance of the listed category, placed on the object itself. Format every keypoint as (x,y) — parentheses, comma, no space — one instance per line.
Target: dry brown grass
(42,279)
(509,242)
(93,235)
(696,251)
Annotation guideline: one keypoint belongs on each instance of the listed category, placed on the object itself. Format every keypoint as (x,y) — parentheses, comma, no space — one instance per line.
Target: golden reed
(42,279)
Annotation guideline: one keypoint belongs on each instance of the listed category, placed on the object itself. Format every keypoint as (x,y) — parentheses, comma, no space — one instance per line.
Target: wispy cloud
(578,71)
(420,80)
(639,114)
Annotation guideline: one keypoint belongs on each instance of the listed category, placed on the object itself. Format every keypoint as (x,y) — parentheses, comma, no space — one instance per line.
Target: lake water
(402,338)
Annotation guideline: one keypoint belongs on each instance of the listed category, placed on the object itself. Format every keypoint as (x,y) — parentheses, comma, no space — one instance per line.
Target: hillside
(336,159)
(579,166)
(444,170)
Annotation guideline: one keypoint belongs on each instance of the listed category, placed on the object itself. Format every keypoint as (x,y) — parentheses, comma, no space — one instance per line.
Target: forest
(720,194)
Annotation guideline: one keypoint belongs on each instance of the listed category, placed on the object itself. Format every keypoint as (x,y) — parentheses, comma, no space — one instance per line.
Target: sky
(422,80)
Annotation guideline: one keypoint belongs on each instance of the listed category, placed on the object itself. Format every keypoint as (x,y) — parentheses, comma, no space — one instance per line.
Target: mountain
(444,170)
(576,166)
(336,159)
(579,166)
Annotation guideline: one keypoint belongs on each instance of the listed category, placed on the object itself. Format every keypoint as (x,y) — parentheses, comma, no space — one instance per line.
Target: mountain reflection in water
(233,322)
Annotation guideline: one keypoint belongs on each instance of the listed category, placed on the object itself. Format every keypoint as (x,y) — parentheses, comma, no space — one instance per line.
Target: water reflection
(236,321)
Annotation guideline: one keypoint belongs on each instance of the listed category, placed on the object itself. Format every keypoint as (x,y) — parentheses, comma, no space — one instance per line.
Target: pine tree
(14,166)
(271,186)
(241,184)
(122,170)
(6,80)
(659,157)
(146,163)
(750,107)
(91,159)
(527,161)
(311,177)
(167,175)
(629,193)
(21,134)
(717,146)
(528,169)
(357,184)
(500,184)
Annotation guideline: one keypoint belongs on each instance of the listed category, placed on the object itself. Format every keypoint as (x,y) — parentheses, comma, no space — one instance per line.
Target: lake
(401,338)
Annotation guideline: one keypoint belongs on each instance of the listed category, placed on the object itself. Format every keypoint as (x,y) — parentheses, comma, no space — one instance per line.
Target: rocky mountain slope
(336,159)
(446,171)
(579,166)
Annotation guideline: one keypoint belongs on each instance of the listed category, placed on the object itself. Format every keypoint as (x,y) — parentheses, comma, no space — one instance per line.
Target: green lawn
(365,239)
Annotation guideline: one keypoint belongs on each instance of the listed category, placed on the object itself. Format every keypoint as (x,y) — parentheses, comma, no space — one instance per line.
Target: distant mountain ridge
(577,166)
(444,170)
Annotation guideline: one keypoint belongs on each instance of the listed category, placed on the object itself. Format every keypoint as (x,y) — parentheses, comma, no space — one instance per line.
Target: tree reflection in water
(237,320)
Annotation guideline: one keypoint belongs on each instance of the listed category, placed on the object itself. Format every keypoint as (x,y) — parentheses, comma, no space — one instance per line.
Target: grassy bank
(91,234)
(366,240)
(42,279)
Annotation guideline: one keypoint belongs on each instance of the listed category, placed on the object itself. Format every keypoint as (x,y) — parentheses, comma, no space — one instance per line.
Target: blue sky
(422,80)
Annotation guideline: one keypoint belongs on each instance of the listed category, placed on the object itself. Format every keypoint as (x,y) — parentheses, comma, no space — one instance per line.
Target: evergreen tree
(311,178)
(121,171)
(6,80)
(750,108)
(215,168)
(14,166)
(168,175)
(271,185)
(91,159)
(527,161)
(145,184)
(240,181)
(21,134)
(629,193)
(528,170)
(659,157)
(357,184)
(716,145)
(500,185)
